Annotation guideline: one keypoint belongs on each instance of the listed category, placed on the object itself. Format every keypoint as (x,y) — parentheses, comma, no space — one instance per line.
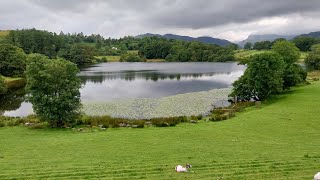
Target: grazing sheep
(180,168)
(317,176)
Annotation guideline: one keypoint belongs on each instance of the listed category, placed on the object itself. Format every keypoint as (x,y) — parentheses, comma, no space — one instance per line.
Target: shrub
(138,123)
(2,124)
(37,126)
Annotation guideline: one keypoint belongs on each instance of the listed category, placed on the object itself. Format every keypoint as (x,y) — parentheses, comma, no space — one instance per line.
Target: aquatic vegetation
(198,103)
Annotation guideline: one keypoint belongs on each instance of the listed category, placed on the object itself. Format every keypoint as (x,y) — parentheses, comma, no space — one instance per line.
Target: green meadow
(279,140)
(241,54)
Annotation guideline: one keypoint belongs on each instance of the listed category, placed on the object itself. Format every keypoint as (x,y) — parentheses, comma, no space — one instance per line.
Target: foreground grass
(281,140)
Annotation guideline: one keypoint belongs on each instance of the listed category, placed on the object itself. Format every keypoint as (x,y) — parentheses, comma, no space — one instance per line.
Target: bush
(13,60)
(129,57)
(2,124)
(3,87)
(37,126)
(138,123)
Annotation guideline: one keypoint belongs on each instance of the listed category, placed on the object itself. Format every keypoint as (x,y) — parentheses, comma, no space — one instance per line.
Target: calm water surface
(114,81)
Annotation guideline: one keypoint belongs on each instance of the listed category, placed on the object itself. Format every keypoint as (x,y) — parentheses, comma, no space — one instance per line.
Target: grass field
(280,140)
(110,58)
(12,82)
(241,54)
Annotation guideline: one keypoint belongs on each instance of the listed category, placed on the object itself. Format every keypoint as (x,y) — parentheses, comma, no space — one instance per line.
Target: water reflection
(100,77)
(12,100)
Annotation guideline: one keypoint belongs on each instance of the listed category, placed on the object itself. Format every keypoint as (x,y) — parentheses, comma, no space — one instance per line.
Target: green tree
(289,52)
(262,78)
(129,57)
(248,45)
(78,53)
(3,88)
(12,60)
(304,43)
(313,59)
(53,89)
(233,46)
(293,74)
(262,45)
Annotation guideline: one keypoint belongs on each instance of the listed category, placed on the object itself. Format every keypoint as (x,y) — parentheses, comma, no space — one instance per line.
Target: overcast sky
(230,19)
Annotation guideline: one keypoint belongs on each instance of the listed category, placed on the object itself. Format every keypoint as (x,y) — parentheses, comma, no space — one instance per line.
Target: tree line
(182,51)
(304,43)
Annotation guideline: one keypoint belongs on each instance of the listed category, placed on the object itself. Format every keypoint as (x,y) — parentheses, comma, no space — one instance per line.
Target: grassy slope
(240,54)
(281,140)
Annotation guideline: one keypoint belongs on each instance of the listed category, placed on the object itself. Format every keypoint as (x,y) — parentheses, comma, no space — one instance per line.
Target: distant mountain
(264,37)
(312,34)
(203,39)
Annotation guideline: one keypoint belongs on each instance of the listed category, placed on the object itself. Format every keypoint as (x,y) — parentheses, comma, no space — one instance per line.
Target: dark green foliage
(12,99)
(262,45)
(175,50)
(53,88)
(3,88)
(293,75)
(36,41)
(305,43)
(262,78)
(233,46)
(289,52)
(129,57)
(248,45)
(313,59)
(78,53)
(12,60)
(270,73)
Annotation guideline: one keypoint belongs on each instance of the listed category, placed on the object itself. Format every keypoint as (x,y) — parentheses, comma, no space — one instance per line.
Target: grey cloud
(233,19)
(209,13)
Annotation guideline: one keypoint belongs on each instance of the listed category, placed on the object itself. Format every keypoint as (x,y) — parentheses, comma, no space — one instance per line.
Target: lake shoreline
(187,104)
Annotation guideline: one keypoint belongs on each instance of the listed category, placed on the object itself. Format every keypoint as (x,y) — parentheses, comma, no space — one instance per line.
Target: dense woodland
(82,49)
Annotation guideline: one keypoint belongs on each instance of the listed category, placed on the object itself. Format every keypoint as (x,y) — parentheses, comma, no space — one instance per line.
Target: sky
(233,20)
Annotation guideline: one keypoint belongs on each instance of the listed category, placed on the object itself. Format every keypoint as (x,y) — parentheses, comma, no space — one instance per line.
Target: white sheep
(180,168)
(317,176)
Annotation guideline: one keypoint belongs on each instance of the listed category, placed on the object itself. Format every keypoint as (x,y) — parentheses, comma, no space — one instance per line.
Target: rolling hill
(203,39)
(312,34)
(264,37)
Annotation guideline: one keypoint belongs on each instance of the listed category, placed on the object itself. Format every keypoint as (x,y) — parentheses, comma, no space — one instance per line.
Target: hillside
(203,39)
(264,37)
(312,34)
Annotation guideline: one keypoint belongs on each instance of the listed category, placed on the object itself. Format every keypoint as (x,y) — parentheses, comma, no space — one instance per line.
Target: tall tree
(293,74)
(304,43)
(289,52)
(262,78)
(248,45)
(313,59)
(53,88)
(12,60)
